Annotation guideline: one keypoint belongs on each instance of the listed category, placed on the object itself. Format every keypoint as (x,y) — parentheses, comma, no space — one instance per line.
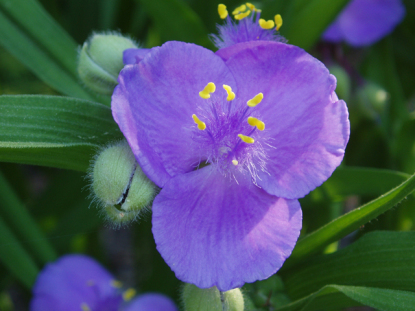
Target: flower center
(225,131)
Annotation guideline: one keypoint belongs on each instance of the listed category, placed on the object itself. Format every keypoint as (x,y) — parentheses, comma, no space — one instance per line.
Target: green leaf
(37,23)
(53,131)
(309,23)
(347,181)
(334,297)
(381,259)
(15,258)
(349,222)
(175,20)
(17,217)
(18,43)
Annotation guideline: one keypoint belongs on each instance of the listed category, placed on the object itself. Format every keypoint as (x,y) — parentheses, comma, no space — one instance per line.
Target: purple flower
(364,22)
(77,282)
(233,143)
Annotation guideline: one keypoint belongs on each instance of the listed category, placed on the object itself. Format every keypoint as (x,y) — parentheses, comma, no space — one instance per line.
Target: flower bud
(210,299)
(119,184)
(343,81)
(372,99)
(101,60)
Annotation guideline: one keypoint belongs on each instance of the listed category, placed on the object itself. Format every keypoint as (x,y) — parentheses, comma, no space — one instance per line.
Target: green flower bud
(343,81)
(101,60)
(372,99)
(211,299)
(119,185)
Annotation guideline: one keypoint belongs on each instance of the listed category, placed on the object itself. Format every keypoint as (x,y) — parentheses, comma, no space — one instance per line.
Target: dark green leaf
(381,259)
(53,131)
(17,217)
(349,222)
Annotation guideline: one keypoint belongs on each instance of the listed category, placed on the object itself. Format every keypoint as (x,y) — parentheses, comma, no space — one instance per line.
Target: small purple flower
(363,22)
(233,142)
(77,282)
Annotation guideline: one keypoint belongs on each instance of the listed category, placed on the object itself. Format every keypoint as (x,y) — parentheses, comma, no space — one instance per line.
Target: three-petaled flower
(233,139)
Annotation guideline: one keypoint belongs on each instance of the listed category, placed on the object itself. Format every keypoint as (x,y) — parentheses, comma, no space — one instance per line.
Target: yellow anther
(223,12)
(116,284)
(235,162)
(231,95)
(255,122)
(200,124)
(209,88)
(129,294)
(266,24)
(246,139)
(85,307)
(278,21)
(256,100)
(242,15)
(251,6)
(239,9)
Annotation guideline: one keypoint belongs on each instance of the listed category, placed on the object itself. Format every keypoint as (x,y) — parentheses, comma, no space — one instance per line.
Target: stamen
(116,284)
(200,124)
(246,139)
(256,100)
(251,6)
(266,24)
(231,95)
(239,9)
(129,294)
(235,162)
(223,12)
(278,21)
(242,15)
(255,122)
(209,88)
(85,307)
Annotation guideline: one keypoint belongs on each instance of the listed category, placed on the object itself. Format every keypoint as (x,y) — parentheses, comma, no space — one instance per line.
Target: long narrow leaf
(349,222)
(20,221)
(53,131)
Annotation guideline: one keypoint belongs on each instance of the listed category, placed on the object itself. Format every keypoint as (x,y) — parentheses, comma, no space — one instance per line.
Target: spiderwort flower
(363,22)
(77,282)
(249,26)
(233,144)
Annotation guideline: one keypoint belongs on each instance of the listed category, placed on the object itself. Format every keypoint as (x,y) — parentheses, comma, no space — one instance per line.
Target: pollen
(246,139)
(278,21)
(200,124)
(255,122)
(256,100)
(235,162)
(209,88)
(266,24)
(129,294)
(239,9)
(242,15)
(223,12)
(85,307)
(231,95)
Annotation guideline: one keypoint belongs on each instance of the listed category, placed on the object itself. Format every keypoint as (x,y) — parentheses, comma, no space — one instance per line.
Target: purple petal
(151,302)
(154,102)
(229,51)
(306,129)
(363,22)
(71,281)
(223,230)
(134,56)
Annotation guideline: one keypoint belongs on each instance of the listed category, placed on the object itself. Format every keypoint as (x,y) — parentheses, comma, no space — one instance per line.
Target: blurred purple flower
(363,22)
(77,282)
(228,211)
